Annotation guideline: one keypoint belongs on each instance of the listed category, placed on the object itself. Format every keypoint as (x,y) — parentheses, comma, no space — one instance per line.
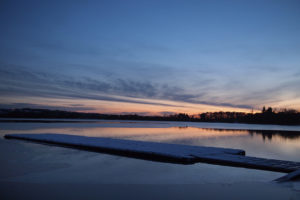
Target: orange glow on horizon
(160,134)
(147,107)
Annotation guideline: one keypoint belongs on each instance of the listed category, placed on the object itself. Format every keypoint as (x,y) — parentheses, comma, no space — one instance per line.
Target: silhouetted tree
(269,110)
(263,110)
(268,116)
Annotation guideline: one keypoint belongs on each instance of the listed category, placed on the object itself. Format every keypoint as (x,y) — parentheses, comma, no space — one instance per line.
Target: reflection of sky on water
(26,163)
(264,143)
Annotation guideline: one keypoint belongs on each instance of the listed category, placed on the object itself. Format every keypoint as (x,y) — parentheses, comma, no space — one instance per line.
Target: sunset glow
(150,58)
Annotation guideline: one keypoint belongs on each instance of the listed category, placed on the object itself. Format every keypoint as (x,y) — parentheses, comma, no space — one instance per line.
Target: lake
(29,165)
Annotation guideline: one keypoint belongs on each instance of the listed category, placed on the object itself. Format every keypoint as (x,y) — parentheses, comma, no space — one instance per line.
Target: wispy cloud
(16,81)
(41,106)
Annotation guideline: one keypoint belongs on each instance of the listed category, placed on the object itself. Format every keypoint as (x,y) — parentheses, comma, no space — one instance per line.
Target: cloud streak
(20,82)
(40,106)
(151,54)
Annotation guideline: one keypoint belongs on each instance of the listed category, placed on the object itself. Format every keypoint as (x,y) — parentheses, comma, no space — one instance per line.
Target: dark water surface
(50,169)
(280,143)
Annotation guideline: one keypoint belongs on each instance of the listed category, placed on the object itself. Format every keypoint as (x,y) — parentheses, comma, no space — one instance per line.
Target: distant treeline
(267,116)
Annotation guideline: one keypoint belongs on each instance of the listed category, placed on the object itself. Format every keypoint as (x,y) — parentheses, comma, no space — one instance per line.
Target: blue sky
(150,56)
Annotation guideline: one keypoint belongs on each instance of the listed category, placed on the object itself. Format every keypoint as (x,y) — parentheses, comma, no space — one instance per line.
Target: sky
(150,57)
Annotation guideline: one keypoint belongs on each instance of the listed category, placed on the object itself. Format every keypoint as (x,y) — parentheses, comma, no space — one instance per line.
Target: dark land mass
(267,116)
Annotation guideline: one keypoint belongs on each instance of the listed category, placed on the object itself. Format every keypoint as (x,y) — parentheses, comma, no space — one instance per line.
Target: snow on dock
(252,162)
(174,153)
(295,175)
(148,150)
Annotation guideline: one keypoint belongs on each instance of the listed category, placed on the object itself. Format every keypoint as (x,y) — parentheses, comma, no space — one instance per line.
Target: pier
(173,153)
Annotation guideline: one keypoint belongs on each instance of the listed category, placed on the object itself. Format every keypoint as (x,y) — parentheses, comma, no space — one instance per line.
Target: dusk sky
(150,57)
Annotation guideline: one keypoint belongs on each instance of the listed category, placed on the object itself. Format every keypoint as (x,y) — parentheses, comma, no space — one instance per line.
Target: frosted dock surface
(175,153)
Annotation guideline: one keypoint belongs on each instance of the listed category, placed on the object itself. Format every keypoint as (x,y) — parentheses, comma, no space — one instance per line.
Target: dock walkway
(174,153)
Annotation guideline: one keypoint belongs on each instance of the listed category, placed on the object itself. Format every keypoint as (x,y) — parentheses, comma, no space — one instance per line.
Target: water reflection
(154,133)
(270,133)
(163,133)
(264,143)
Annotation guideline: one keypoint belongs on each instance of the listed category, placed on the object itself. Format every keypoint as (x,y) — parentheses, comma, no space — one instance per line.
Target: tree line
(266,116)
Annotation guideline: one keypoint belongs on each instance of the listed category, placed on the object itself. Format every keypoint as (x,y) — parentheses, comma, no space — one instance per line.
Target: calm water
(36,171)
(269,141)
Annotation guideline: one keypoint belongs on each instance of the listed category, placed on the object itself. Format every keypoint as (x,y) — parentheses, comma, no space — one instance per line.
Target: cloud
(166,113)
(16,81)
(40,106)
(136,113)
(66,48)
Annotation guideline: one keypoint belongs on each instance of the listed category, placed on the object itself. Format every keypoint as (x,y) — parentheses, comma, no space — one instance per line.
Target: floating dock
(174,153)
